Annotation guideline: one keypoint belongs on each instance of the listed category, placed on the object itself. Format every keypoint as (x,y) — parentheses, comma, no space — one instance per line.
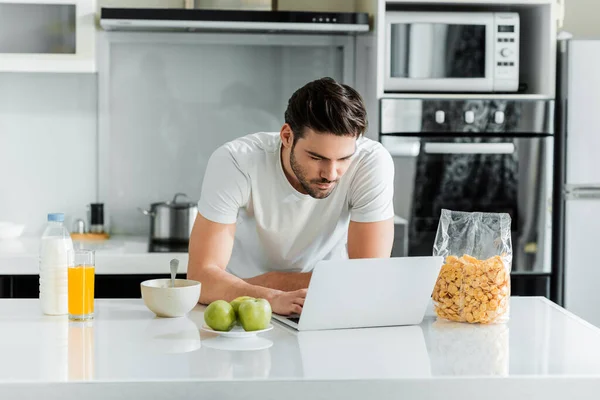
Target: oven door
(476,155)
(441,52)
(489,174)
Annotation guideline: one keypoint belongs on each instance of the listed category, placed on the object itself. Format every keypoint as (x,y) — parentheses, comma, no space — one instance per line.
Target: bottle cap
(56,217)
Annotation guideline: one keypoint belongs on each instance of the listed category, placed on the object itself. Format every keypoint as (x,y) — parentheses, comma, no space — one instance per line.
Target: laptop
(368,292)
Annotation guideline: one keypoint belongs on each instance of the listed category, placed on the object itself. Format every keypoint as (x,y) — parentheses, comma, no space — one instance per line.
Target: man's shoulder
(248,150)
(373,160)
(252,145)
(369,149)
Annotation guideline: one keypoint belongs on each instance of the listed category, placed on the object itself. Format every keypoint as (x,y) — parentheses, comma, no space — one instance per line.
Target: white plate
(237,332)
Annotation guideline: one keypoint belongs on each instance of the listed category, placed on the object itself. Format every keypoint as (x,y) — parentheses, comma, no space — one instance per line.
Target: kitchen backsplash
(47,146)
(172,105)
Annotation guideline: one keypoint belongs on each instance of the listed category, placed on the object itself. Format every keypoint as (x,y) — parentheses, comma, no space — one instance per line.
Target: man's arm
(371,229)
(286,281)
(210,249)
(370,239)
(365,240)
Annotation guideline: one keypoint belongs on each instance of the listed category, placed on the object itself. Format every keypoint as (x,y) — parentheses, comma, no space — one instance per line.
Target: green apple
(219,315)
(255,315)
(236,302)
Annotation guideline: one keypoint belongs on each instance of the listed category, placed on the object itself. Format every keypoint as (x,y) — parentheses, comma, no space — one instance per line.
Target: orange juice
(81,291)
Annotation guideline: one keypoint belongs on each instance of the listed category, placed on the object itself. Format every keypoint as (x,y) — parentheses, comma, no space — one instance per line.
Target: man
(274,204)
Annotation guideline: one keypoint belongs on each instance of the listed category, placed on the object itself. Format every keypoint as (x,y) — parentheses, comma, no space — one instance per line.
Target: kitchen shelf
(538,36)
(466,96)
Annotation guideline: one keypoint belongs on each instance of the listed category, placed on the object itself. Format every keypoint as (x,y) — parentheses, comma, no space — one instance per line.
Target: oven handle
(469,148)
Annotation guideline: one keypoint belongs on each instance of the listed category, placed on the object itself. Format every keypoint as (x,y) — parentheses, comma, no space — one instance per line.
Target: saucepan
(172,220)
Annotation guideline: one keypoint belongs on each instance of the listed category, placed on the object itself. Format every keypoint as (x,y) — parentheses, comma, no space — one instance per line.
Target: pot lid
(176,203)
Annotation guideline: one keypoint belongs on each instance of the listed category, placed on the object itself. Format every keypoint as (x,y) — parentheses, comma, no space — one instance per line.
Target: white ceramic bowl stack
(10,230)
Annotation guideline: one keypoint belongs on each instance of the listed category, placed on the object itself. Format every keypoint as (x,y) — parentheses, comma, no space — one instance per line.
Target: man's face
(320,159)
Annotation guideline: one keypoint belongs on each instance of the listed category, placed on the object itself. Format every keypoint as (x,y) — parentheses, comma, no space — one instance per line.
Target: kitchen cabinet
(47,36)
(106,286)
(128,286)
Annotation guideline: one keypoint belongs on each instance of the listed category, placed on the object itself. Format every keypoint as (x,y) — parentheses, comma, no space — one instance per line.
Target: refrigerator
(577,252)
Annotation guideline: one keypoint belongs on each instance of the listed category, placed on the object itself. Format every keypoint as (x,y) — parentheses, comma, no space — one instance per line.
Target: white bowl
(166,301)
(10,230)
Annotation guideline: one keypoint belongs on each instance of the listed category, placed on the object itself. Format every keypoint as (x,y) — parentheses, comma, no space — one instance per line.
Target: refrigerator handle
(575,192)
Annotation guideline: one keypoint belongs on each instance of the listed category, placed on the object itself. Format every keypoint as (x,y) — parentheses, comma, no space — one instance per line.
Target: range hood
(169,19)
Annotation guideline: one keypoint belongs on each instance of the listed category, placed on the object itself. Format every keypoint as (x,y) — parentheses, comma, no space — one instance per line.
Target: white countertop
(118,255)
(544,352)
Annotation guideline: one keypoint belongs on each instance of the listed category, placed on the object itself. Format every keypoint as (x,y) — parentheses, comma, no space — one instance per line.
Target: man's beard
(306,184)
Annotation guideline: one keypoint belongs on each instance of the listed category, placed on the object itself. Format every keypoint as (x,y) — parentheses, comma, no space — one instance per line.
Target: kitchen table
(544,352)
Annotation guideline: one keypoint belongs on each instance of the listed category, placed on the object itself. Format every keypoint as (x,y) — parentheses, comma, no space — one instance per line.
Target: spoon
(174,266)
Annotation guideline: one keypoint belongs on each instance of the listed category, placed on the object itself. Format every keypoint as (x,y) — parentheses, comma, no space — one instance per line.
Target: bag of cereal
(474,282)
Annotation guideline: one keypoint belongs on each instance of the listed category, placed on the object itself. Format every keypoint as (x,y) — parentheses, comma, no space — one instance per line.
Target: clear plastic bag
(474,282)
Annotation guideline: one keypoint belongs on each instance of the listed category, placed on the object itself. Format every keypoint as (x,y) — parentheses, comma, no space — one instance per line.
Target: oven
(475,155)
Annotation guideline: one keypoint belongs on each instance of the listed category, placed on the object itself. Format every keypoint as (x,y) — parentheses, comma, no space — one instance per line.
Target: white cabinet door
(582,259)
(583,121)
(47,36)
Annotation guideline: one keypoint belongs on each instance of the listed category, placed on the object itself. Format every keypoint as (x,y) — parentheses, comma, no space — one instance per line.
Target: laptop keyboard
(294,319)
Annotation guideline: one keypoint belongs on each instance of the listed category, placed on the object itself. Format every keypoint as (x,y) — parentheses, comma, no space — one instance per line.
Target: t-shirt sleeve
(372,189)
(225,189)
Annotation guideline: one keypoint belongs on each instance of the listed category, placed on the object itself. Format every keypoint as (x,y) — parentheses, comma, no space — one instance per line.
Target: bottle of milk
(55,250)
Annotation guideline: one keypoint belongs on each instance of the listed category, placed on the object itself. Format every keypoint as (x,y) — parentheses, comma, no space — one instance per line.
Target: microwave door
(398,46)
(427,57)
(455,54)
(428,51)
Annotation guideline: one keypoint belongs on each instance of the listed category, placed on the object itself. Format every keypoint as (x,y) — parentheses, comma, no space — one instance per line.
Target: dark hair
(326,106)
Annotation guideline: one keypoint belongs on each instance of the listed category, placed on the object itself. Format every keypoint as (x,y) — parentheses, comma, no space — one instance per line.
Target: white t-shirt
(277,227)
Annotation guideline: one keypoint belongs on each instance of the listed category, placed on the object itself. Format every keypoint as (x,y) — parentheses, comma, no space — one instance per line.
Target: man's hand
(286,303)
(286,281)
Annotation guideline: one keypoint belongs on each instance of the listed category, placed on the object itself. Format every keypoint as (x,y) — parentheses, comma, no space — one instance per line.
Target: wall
(48,130)
(47,146)
(581,18)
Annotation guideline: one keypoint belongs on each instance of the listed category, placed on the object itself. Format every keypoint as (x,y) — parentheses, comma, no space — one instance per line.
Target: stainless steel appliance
(174,19)
(263,5)
(476,155)
(171,222)
(451,51)
(578,174)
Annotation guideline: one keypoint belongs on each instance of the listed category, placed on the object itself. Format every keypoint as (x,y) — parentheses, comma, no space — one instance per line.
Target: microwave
(451,52)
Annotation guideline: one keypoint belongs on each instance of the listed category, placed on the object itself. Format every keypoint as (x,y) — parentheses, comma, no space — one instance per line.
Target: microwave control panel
(506,54)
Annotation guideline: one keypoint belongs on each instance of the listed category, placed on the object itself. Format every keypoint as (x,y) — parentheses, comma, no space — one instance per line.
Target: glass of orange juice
(81,285)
